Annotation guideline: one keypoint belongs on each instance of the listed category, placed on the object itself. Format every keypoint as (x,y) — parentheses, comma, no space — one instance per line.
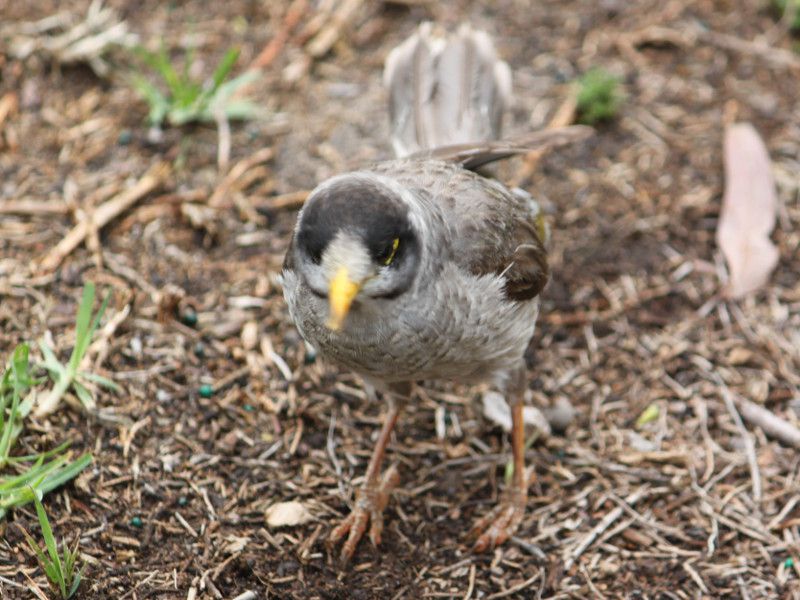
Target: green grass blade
(99,379)
(68,560)
(41,456)
(167,71)
(41,482)
(51,362)
(26,405)
(21,378)
(84,395)
(60,477)
(38,552)
(158,103)
(76,581)
(82,323)
(69,557)
(224,68)
(239,109)
(180,115)
(50,543)
(189,96)
(243,110)
(85,326)
(19,375)
(224,92)
(19,496)
(4,397)
(181,89)
(189,90)
(8,430)
(37,471)
(14,429)
(95,323)
(42,477)
(5,382)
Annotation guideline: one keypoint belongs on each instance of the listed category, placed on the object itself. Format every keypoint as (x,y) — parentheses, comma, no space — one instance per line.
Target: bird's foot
(502,521)
(371,500)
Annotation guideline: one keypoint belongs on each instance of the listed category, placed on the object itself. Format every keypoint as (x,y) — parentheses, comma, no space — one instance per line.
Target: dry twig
(111,209)
(604,524)
(769,422)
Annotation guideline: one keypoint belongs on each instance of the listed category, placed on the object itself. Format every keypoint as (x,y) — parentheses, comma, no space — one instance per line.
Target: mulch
(692,503)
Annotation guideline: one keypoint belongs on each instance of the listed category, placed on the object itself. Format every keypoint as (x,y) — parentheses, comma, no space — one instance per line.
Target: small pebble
(155,135)
(206,391)
(136,521)
(125,137)
(199,350)
(249,407)
(560,415)
(182,501)
(788,563)
(189,317)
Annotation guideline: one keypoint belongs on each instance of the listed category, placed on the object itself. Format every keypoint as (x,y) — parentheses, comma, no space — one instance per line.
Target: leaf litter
(665,509)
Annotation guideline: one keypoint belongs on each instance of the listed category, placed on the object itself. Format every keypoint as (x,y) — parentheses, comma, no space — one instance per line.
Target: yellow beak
(340,296)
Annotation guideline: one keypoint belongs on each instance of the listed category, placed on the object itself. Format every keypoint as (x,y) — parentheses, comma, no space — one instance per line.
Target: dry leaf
(496,409)
(235,544)
(748,211)
(287,514)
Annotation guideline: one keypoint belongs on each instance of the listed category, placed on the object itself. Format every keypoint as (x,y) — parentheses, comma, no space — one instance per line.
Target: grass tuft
(599,97)
(62,571)
(186,100)
(15,381)
(32,474)
(66,377)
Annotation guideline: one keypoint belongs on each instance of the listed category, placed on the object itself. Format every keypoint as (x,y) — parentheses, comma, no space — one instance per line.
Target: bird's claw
(371,500)
(501,522)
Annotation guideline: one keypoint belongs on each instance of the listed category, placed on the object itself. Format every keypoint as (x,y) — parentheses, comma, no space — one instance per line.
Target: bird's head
(354,244)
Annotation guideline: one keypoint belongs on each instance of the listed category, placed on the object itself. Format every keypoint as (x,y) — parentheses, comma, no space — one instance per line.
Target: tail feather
(445,90)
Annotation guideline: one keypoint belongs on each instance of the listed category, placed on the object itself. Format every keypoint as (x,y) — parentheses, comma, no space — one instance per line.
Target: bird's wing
(498,233)
(487,229)
(474,155)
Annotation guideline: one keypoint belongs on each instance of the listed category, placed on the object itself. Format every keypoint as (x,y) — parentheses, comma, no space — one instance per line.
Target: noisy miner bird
(419,268)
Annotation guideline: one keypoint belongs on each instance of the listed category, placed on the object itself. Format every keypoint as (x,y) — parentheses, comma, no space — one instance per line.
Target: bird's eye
(388,254)
(316,255)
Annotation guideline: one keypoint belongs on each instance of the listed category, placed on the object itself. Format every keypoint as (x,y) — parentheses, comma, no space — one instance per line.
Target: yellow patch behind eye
(395,246)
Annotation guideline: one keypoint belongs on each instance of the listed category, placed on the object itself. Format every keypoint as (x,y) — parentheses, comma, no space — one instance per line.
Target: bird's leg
(371,498)
(502,521)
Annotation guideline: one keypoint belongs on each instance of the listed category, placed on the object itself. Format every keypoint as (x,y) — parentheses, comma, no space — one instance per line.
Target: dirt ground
(174,504)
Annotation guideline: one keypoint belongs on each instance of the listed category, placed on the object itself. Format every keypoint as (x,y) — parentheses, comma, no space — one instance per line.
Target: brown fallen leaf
(748,211)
